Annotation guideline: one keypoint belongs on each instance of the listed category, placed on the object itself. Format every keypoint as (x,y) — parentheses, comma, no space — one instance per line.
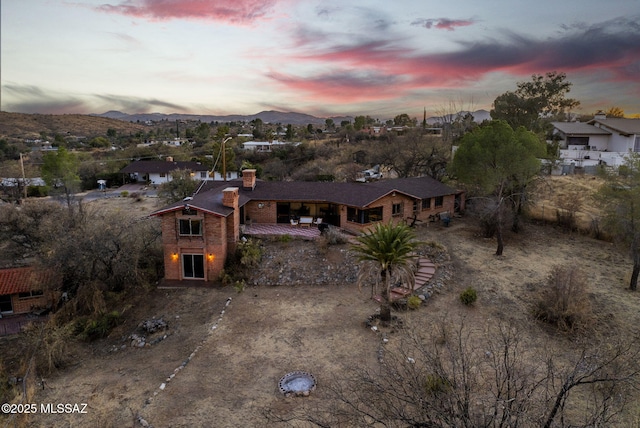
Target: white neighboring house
(265,146)
(158,172)
(600,141)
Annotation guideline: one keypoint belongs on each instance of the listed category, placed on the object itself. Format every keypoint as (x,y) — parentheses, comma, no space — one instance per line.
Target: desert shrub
(239,285)
(568,205)
(6,393)
(285,238)
(48,343)
(469,296)
(99,327)
(246,257)
(435,385)
(250,253)
(414,302)
(37,191)
(564,302)
(333,236)
(566,219)
(225,277)
(124,194)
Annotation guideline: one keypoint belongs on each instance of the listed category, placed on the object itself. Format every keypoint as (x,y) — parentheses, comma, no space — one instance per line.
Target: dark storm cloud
(32,99)
(138,105)
(442,23)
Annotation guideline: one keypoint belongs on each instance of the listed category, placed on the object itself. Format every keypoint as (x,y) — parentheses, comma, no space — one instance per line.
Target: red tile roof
(22,280)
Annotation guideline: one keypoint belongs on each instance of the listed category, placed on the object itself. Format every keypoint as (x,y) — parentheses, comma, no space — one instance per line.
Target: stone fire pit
(297,384)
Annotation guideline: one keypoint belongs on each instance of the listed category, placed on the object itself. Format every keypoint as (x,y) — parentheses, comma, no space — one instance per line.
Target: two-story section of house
(199,232)
(601,141)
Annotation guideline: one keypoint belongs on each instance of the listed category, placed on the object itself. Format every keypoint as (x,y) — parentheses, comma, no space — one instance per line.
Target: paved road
(113,193)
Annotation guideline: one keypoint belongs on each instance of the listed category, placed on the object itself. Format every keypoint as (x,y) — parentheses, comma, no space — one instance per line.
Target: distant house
(25,289)
(199,232)
(158,172)
(601,141)
(265,146)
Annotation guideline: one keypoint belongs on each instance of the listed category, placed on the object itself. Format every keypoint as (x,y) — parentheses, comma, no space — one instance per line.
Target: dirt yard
(225,351)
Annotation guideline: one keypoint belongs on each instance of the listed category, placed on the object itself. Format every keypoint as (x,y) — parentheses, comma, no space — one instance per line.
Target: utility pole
(224,159)
(24,178)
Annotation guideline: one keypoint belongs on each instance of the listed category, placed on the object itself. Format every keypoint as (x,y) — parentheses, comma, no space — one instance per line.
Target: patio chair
(294,222)
(318,221)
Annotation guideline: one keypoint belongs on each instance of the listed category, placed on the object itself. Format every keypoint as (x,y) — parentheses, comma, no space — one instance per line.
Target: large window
(30,294)
(578,141)
(371,215)
(189,227)
(193,265)
(426,204)
(439,201)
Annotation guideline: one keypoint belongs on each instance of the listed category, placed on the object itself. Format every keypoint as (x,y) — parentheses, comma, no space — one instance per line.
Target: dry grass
(19,125)
(566,194)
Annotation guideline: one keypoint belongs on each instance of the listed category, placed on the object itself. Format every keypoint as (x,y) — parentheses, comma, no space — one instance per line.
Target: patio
(13,324)
(267,229)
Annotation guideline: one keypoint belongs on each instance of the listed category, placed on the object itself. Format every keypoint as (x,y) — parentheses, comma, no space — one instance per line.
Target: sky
(322,57)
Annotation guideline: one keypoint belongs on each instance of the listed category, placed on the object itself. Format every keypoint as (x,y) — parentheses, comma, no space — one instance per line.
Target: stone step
(426,276)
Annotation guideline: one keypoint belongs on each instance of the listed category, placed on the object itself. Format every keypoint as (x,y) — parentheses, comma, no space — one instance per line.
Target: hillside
(21,126)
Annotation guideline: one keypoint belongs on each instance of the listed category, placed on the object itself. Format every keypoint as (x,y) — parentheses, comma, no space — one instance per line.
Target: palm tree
(387,251)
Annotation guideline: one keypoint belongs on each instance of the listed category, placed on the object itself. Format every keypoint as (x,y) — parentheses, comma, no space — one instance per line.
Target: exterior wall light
(174,257)
(211,257)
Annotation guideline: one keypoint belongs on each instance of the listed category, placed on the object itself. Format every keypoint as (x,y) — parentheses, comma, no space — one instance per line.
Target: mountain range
(270,116)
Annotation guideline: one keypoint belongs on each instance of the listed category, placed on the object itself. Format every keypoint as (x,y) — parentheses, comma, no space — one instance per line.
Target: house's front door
(5,304)
(193,266)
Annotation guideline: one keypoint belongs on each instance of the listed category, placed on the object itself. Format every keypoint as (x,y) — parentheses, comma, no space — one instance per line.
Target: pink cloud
(343,87)
(231,11)
(382,69)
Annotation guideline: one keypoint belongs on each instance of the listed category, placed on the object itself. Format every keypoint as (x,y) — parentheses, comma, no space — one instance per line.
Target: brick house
(24,290)
(199,232)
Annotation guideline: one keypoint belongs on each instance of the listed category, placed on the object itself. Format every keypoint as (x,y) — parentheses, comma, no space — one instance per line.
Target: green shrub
(101,326)
(37,191)
(468,296)
(414,302)
(249,253)
(124,193)
(436,385)
(239,286)
(285,238)
(225,278)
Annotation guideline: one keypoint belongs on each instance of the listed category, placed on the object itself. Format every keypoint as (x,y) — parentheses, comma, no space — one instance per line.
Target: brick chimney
(249,179)
(230,197)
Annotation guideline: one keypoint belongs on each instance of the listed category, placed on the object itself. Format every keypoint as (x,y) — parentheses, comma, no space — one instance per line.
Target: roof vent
(188,198)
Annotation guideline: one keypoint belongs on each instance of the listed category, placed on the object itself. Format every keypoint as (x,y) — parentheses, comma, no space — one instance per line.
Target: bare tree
(461,376)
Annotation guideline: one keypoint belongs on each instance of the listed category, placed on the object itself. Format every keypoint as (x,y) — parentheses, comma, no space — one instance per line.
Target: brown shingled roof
(358,195)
